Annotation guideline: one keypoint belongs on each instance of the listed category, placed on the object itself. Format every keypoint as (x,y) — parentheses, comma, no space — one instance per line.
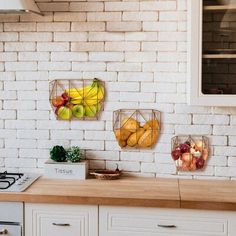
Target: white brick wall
(139,49)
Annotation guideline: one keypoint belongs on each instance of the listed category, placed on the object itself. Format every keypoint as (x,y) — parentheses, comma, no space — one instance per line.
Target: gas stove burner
(7,179)
(16,182)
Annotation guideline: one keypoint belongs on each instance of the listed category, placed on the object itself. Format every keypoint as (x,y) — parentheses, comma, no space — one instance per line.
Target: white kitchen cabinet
(212,52)
(138,221)
(61,220)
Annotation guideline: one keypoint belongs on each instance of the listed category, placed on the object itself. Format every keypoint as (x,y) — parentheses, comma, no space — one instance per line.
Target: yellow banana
(96,98)
(76,101)
(100,93)
(89,95)
(78,93)
(93,91)
(90,102)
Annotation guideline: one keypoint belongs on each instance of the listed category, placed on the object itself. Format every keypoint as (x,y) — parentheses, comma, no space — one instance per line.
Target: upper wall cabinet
(212,50)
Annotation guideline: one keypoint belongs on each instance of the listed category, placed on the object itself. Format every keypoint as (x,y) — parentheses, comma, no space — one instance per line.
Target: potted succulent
(66,163)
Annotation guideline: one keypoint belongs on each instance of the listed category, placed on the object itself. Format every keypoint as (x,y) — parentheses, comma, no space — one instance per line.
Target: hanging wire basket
(77,99)
(136,128)
(190,153)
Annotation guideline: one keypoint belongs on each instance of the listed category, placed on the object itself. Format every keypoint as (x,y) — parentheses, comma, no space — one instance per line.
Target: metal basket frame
(177,140)
(57,87)
(140,115)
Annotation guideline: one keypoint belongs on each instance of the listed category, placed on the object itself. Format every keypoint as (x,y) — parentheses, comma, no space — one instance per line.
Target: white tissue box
(66,170)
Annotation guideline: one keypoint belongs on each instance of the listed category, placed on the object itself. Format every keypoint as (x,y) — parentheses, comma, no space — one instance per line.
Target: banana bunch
(89,95)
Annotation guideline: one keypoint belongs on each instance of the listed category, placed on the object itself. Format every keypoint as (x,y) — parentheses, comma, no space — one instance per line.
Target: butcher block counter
(132,191)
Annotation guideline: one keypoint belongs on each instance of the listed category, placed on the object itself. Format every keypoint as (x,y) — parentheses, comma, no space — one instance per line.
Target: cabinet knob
(4,231)
(58,224)
(167,226)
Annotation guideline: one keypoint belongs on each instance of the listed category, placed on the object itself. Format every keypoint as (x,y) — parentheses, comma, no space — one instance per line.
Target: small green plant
(74,154)
(58,154)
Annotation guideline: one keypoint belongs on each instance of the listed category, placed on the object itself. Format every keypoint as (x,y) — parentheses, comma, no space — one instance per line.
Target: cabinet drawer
(128,221)
(61,220)
(60,225)
(11,230)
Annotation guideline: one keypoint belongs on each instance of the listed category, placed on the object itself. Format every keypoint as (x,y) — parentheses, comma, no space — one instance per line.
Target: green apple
(78,111)
(90,111)
(64,113)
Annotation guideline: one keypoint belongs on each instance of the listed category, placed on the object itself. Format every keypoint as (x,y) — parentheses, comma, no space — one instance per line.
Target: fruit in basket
(205,154)
(70,105)
(184,167)
(176,154)
(81,92)
(199,145)
(64,113)
(197,154)
(184,147)
(76,101)
(134,138)
(192,156)
(78,111)
(200,163)
(130,124)
(193,165)
(57,101)
(122,134)
(122,143)
(187,157)
(192,150)
(188,143)
(151,124)
(95,96)
(98,107)
(65,97)
(89,95)
(148,138)
(90,111)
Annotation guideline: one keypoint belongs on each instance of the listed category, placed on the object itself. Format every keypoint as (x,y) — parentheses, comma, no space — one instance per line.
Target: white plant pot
(66,170)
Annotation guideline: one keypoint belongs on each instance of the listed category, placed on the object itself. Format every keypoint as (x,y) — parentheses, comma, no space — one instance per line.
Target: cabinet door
(212,52)
(61,220)
(135,221)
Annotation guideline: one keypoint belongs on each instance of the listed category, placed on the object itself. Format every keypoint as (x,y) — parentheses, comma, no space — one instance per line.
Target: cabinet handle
(167,226)
(56,224)
(4,231)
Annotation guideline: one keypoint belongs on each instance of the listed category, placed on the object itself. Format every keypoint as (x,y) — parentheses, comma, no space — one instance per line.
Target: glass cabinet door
(218,64)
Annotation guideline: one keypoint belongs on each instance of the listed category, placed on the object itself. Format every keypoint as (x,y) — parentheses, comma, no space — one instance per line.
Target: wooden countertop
(146,192)
(208,194)
(126,191)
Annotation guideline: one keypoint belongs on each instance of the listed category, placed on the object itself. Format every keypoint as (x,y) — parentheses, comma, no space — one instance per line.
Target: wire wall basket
(190,153)
(136,128)
(77,99)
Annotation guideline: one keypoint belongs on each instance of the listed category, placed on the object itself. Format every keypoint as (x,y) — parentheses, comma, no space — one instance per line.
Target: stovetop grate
(9,179)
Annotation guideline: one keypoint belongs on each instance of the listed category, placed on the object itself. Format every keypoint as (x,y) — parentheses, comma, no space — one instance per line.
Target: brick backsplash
(139,48)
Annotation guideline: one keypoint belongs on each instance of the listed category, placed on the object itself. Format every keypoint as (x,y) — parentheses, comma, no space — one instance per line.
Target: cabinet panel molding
(61,220)
(138,221)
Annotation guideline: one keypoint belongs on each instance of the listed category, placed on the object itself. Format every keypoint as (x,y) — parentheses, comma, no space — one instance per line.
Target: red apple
(184,147)
(65,97)
(200,163)
(176,154)
(57,101)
